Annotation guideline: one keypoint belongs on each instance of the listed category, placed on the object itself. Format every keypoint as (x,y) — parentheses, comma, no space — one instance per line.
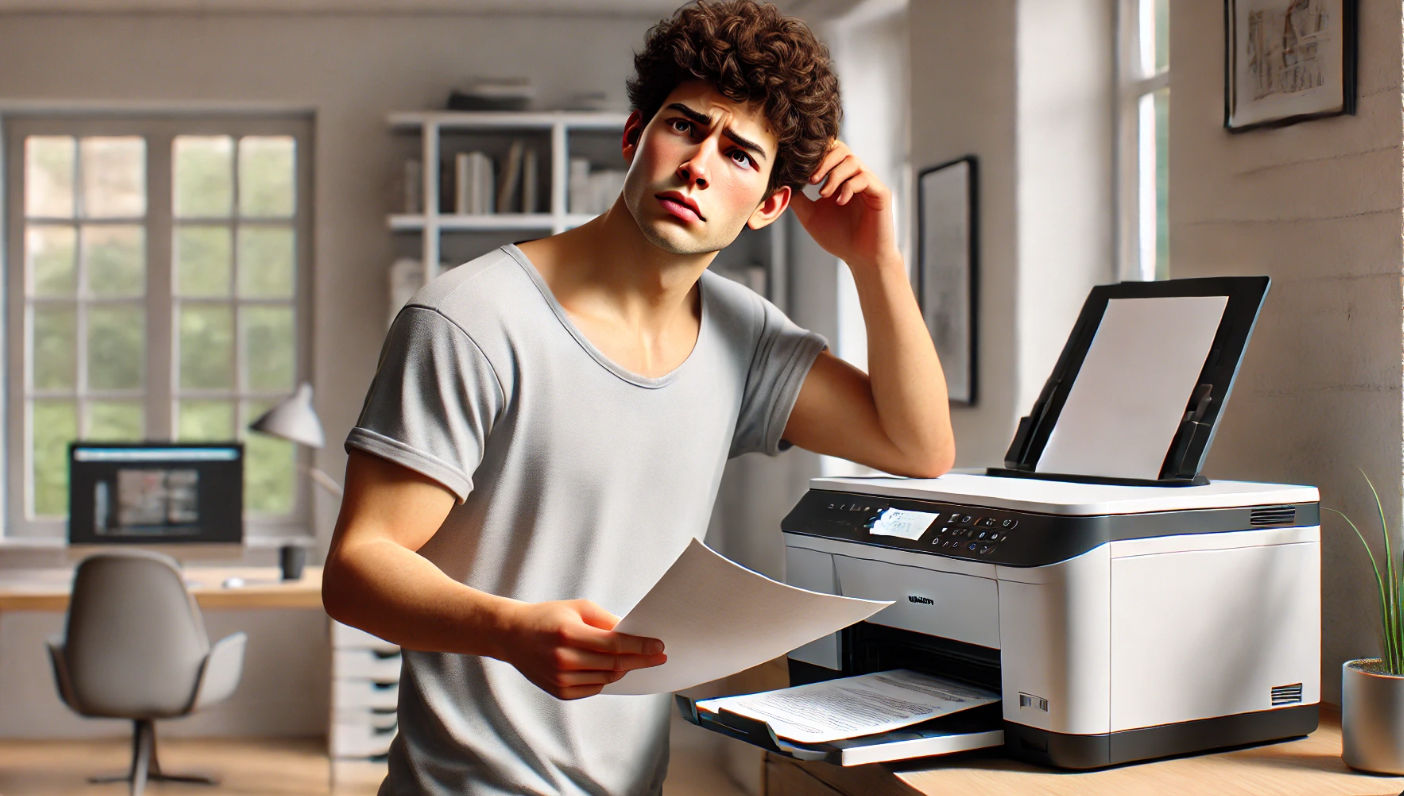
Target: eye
(686,125)
(747,158)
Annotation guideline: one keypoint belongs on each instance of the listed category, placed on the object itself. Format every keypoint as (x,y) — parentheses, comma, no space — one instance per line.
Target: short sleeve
(782,357)
(432,402)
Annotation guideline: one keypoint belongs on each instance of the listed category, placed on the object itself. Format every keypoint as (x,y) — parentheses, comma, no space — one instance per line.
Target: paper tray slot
(977,728)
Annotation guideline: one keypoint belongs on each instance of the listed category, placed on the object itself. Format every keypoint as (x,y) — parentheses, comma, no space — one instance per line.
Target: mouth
(680,206)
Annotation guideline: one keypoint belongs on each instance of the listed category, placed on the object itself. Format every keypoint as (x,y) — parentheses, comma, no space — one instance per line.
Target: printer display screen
(902,523)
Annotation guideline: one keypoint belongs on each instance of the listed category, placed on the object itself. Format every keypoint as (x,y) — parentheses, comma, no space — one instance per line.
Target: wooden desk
(48,589)
(1309,766)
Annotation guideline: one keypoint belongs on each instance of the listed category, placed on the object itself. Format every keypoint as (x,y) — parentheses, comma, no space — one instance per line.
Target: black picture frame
(1291,107)
(947,278)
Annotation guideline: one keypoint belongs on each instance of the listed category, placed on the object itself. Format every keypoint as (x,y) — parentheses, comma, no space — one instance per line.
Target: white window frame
(1137,81)
(161,394)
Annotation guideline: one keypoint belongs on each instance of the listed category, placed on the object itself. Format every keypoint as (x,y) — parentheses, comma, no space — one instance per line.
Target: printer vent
(1286,694)
(1273,515)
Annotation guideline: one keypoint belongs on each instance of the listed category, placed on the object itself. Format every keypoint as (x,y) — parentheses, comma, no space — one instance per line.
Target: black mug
(291,558)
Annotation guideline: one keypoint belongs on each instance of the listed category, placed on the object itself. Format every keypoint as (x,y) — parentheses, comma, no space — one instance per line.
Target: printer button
(986,548)
(1008,524)
(994,537)
(965,519)
(972,546)
(982,535)
(988,522)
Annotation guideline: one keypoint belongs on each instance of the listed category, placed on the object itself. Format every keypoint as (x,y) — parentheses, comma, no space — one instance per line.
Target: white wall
(1026,86)
(1317,207)
(351,70)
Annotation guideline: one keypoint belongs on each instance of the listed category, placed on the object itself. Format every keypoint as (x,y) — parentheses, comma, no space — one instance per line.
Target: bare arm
(897,417)
(376,580)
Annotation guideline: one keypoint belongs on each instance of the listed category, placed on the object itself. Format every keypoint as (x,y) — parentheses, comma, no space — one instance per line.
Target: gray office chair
(135,648)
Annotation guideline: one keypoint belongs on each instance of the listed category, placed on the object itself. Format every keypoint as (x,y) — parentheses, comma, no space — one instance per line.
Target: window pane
(266,167)
(270,467)
(115,421)
(116,347)
(48,176)
(204,175)
(53,352)
(49,254)
(1162,184)
(206,421)
(114,177)
(266,257)
(203,261)
(114,258)
(54,424)
(269,349)
(1162,35)
(206,347)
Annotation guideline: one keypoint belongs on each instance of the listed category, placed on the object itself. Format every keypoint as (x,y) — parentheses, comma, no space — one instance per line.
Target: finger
(595,616)
(836,153)
(617,643)
(845,170)
(570,659)
(853,187)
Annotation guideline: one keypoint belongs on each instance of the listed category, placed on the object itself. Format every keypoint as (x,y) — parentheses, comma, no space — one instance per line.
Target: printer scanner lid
(1140,387)
(1068,497)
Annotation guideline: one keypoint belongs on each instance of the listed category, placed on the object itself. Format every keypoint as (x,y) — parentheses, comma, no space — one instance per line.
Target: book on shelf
(530,178)
(509,186)
(474,186)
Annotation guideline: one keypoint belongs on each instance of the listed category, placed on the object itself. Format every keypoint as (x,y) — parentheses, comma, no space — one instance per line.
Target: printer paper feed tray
(977,728)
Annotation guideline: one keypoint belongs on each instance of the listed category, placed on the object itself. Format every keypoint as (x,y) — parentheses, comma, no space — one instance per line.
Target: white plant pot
(1372,719)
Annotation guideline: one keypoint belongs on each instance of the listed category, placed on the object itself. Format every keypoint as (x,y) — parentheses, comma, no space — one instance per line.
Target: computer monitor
(155,493)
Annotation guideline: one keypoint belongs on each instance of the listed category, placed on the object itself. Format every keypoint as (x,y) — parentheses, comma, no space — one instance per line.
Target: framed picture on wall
(1288,61)
(947,268)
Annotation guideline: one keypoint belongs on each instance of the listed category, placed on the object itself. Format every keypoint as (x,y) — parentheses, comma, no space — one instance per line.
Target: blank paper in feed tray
(1132,390)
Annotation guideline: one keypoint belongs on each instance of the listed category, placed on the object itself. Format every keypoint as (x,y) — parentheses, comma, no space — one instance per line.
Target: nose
(694,170)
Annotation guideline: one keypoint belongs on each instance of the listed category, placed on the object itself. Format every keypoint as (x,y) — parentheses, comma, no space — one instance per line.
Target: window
(159,290)
(1144,139)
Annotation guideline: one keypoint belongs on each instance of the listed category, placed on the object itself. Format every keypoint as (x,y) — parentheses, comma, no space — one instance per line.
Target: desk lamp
(294,419)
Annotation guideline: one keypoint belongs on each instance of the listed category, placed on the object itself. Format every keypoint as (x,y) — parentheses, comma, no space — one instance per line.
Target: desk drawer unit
(365,691)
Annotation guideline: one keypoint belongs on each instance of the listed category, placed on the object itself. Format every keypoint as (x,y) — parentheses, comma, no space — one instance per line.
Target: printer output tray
(977,728)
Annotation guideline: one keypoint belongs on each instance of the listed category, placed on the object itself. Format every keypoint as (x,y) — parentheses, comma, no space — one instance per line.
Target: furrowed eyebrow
(704,120)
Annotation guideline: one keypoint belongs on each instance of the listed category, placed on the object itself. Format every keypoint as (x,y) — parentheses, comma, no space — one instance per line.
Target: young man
(549,422)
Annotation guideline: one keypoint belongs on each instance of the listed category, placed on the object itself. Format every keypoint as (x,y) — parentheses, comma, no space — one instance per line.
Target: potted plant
(1372,689)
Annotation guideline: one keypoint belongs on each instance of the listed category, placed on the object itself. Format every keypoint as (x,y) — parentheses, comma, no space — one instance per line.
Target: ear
(770,208)
(633,131)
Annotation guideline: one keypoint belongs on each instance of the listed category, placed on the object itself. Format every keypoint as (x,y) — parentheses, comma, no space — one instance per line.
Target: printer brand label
(922,600)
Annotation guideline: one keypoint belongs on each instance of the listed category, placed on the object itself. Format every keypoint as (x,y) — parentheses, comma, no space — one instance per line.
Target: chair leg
(157,775)
(146,739)
(146,764)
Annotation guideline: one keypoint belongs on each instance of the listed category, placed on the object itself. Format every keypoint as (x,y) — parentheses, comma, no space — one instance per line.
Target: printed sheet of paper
(716,618)
(1131,392)
(852,707)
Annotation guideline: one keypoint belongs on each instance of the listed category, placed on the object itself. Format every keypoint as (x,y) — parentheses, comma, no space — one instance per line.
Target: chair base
(146,767)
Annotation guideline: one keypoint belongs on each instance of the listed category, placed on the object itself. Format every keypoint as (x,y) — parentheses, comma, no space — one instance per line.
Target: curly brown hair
(751,53)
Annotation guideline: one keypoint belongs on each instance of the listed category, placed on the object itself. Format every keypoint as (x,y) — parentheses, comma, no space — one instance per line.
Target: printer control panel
(975,533)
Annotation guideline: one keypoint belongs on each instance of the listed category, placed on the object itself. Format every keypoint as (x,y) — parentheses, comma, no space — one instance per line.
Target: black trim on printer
(1110,749)
(1033,540)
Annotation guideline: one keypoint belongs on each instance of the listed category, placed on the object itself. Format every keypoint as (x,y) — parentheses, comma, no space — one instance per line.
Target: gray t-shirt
(576,479)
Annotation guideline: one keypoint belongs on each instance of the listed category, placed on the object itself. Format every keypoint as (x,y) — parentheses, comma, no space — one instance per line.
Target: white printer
(1124,607)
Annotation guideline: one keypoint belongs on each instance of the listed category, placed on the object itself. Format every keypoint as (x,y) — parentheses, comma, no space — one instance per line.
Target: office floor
(279,768)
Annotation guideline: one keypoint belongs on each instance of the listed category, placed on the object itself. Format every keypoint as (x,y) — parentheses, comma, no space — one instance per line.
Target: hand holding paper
(716,618)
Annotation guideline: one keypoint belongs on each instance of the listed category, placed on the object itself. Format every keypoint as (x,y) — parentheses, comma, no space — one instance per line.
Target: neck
(613,270)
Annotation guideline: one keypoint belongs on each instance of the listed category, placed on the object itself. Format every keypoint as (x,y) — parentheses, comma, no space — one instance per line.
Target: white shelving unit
(433,125)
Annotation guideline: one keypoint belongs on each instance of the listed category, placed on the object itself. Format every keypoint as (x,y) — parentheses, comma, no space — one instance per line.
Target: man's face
(699,170)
